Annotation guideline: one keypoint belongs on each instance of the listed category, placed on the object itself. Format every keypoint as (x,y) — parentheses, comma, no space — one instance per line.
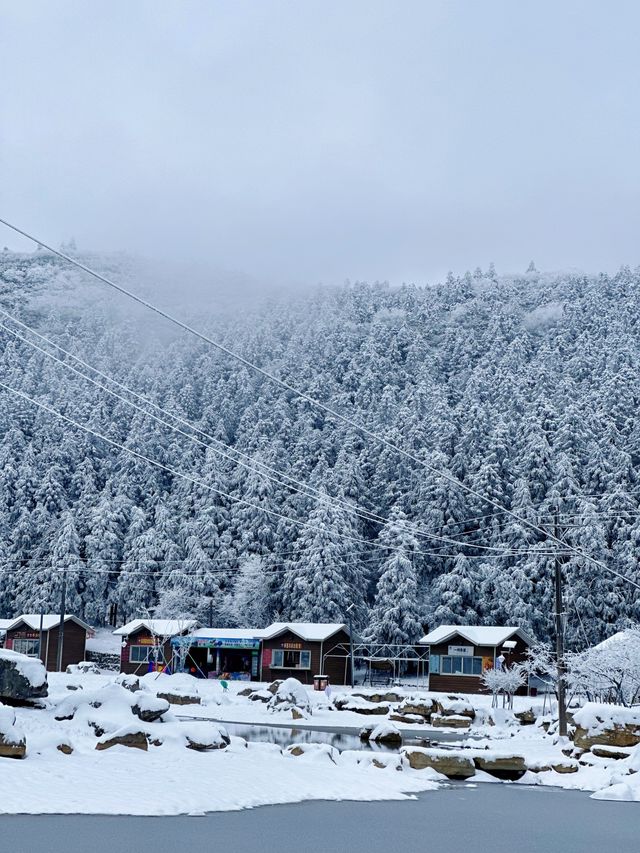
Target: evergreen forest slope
(525,388)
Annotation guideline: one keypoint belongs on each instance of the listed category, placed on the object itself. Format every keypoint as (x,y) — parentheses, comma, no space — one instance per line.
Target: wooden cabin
(304,649)
(22,634)
(146,643)
(459,654)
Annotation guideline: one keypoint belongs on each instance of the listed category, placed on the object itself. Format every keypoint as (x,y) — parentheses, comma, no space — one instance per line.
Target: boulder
(385,733)
(455,706)
(23,680)
(360,706)
(453,721)
(65,748)
(290,694)
(133,739)
(565,766)
(85,667)
(129,682)
(408,719)
(389,696)
(618,735)
(314,751)
(246,691)
(10,748)
(273,687)
(12,740)
(526,717)
(502,766)
(449,763)
(297,714)
(603,751)
(204,744)
(423,707)
(204,736)
(148,707)
(609,725)
(180,698)
(261,696)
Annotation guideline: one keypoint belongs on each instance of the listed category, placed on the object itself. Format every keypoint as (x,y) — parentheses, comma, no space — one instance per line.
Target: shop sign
(294,646)
(221,643)
(461,651)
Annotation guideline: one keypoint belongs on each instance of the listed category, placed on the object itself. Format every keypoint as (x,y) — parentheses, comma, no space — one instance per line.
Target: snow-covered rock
(203,736)
(455,705)
(175,697)
(85,667)
(422,706)
(320,752)
(129,682)
(452,764)
(382,733)
(290,694)
(451,721)
(501,766)
(613,725)
(110,708)
(12,740)
(23,680)
(148,707)
(346,702)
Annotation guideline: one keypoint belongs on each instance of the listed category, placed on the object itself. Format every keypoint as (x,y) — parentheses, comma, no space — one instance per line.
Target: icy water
(284,736)
(339,738)
(475,819)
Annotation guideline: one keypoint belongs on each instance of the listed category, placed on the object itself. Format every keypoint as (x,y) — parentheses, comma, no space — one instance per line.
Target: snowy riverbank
(171,779)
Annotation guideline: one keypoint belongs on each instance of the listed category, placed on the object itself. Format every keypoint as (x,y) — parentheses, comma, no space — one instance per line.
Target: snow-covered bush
(503,681)
(610,671)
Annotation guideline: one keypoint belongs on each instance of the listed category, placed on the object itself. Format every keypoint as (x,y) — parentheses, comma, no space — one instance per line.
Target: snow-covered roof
(159,627)
(477,635)
(229,633)
(613,640)
(4,623)
(311,631)
(49,620)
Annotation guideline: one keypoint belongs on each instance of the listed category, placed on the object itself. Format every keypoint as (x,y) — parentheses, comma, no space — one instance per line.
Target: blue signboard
(217,643)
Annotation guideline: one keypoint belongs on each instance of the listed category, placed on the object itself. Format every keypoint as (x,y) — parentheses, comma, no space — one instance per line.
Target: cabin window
(458,665)
(290,659)
(27,647)
(141,654)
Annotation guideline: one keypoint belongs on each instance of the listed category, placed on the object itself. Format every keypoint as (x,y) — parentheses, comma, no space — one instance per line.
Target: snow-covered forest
(523,387)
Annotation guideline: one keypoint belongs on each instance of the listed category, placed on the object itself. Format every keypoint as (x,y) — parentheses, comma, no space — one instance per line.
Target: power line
(319,495)
(313,401)
(188,478)
(299,487)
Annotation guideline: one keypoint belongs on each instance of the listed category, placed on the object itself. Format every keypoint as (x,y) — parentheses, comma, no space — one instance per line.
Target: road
(483,819)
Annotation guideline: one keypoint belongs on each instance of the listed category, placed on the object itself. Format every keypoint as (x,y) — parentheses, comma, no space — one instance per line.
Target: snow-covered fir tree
(526,388)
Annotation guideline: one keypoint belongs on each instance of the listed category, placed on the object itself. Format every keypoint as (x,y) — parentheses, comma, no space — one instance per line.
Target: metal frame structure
(395,654)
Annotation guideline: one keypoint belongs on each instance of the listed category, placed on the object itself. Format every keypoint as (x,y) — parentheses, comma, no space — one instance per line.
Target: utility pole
(41,636)
(63,604)
(349,609)
(559,616)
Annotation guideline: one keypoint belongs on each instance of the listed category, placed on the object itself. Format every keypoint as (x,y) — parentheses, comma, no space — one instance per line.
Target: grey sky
(318,141)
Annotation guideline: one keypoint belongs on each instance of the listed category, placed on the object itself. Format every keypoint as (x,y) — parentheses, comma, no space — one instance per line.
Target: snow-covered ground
(171,779)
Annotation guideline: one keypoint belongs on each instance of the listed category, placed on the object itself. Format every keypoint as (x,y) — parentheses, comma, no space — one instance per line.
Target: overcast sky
(319,141)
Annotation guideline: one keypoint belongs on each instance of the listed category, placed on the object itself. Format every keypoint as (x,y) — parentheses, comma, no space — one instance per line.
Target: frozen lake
(484,819)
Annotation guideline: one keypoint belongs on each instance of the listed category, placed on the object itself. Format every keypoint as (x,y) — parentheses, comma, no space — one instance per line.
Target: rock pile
(23,680)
